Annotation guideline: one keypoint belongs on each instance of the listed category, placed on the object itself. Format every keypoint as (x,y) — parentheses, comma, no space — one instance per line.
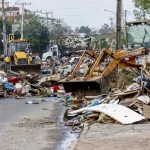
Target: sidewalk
(114,137)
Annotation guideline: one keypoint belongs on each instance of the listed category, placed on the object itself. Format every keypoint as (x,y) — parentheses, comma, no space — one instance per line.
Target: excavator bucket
(93,86)
(29,68)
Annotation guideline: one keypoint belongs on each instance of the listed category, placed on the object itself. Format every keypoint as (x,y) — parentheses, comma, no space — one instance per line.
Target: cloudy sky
(81,12)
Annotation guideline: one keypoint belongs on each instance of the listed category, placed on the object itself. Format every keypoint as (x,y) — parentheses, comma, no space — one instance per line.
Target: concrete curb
(82,135)
(73,145)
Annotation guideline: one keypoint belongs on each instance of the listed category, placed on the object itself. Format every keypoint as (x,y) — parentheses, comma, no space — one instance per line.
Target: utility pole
(37,11)
(51,21)
(118,24)
(47,17)
(126,34)
(4,29)
(22,20)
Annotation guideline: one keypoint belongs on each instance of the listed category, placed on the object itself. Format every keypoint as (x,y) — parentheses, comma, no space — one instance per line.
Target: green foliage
(105,29)
(58,32)
(36,34)
(124,40)
(142,9)
(142,4)
(141,14)
(102,43)
(85,30)
(8,28)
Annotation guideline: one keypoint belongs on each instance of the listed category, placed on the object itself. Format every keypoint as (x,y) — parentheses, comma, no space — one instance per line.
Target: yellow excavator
(103,65)
(18,58)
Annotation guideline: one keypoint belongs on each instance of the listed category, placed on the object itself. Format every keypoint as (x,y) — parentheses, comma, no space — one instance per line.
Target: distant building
(10,11)
(13,11)
(95,30)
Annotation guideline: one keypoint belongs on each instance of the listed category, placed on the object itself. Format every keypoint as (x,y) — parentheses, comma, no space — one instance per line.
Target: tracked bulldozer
(95,79)
(18,58)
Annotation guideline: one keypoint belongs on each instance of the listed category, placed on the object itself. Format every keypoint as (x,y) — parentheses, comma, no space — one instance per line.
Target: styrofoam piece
(120,113)
(60,93)
(2,73)
(18,86)
(78,111)
(61,87)
(4,80)
(144,98)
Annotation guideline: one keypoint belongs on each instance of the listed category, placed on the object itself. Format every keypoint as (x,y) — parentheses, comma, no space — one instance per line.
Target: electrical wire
(102,6)
(14,5)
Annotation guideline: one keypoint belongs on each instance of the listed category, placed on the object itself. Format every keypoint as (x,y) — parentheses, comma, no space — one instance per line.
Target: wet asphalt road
(52,136)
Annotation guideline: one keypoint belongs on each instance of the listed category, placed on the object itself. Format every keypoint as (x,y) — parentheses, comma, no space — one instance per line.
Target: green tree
(109,34)
(59,32)
(8,28)
(142,4)
(102,42)
(142,9)
(36,34)
(8,31)
(85,30)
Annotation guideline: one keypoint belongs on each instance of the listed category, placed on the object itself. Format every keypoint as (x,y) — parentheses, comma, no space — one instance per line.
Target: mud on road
(34,127)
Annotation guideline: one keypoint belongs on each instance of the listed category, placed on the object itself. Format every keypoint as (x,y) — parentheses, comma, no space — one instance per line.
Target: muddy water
(68,137)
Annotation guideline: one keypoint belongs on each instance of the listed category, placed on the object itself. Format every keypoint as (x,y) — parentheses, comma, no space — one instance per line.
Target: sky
(77,13)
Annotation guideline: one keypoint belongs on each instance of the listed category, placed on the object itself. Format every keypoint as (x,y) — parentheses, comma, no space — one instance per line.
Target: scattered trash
(32,102)
(95,86)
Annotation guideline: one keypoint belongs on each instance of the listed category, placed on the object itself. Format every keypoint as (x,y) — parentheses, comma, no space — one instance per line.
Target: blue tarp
(8,86)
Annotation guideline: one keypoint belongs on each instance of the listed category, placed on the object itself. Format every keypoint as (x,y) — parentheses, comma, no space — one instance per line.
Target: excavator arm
(85,52)
(95,79)
(123,59)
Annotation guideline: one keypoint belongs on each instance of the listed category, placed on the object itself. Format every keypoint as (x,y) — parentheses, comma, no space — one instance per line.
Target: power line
(14,5)
(88,7)
(74,15)
(22,22)
(46,13)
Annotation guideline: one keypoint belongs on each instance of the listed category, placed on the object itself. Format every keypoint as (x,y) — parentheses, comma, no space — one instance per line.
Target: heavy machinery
(103,65)
(18,58)
(55,52)
(138,33)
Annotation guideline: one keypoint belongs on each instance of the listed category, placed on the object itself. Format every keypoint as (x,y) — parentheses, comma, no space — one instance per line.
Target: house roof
(138,22)
(11,9)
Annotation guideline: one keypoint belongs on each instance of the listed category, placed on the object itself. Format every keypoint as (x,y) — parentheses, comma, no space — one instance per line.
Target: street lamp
(109,11)
(116,27)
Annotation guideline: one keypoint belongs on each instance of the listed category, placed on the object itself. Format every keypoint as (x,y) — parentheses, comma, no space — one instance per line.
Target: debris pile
(28,85)
(123,96)
(123,104)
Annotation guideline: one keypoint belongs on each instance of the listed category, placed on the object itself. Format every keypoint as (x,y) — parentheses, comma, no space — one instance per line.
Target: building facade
(9,11)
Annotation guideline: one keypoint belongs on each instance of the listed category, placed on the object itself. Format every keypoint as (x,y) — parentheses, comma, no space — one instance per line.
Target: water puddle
(67,140)
(68,136)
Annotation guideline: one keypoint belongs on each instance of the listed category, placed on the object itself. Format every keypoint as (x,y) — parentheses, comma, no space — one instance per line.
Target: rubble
(24,84)
(125,101)
(126,104)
